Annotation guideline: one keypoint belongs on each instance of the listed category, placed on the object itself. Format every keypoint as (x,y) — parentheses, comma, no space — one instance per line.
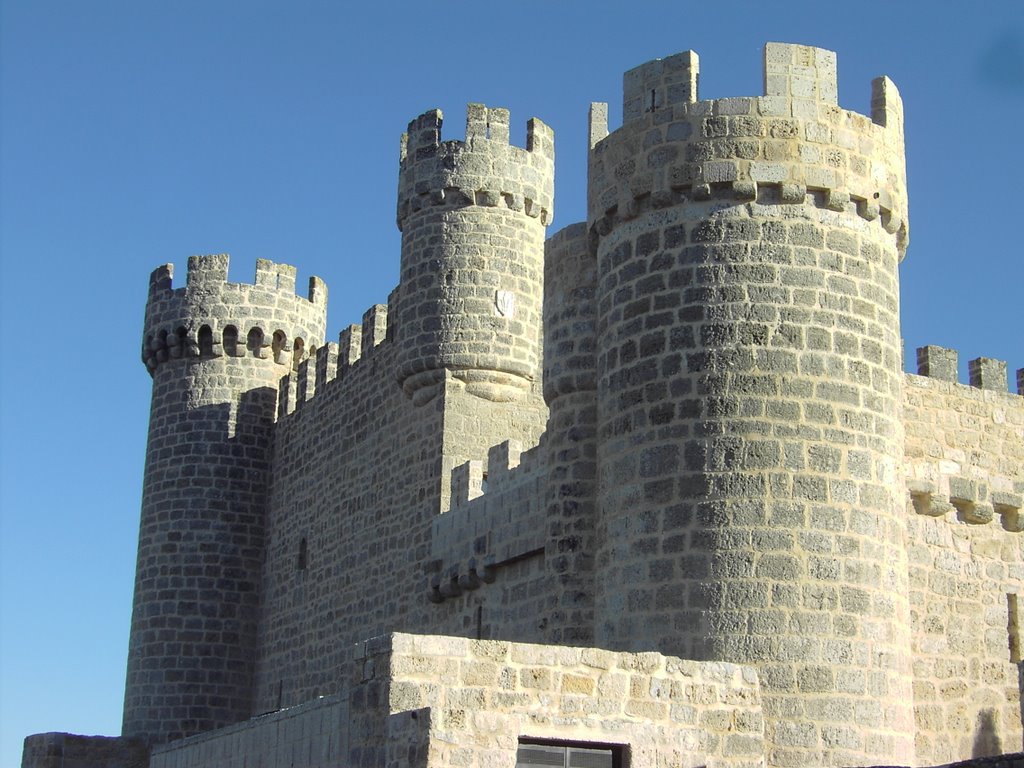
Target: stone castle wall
(436,701)
(965,470)
(363,458)
(355,491)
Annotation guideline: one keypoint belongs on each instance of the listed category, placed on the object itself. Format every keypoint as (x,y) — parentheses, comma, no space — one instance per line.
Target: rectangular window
(544,753)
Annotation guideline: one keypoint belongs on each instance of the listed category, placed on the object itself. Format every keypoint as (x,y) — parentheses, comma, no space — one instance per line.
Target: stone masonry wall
(363,458)
(67,750)
(311,735)
(436,701)
(489,576)
(966,563)
(570,443)
(483,696)
(361,472)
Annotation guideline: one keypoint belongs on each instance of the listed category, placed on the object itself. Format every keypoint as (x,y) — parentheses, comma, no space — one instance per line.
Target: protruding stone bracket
(868,209)
(484,568)
(434,594)
(1008,506)
(459,578)
(745,190)
(837,200)
(970,498)
(449,583)
(926,499)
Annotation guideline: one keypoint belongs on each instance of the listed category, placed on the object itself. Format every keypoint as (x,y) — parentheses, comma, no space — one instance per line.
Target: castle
(651,491)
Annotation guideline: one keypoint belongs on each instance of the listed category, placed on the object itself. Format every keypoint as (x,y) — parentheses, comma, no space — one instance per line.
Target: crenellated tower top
(794,141)
(210,316)
(472,215)
(483,170)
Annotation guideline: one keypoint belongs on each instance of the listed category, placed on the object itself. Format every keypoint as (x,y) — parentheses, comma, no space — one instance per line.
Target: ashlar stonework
(654,487)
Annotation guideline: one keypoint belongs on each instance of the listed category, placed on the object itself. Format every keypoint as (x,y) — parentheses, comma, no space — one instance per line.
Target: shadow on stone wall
(986,736)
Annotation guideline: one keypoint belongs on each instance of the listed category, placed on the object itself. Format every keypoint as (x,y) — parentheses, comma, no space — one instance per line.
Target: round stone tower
(473,215)
(749,368)
(216,351)
(570,443)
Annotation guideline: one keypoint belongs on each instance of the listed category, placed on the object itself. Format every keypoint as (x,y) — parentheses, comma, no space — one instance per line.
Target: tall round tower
(216,351)
(473,215)
(570,443)
(749,367)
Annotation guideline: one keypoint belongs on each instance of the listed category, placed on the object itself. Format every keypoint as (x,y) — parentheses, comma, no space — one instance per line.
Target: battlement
(660,83)
(210,271)
(983,372)
(211,317)
(965,440)
(794,73)
(793,144)
(333,360)
(483,170)
(494,519)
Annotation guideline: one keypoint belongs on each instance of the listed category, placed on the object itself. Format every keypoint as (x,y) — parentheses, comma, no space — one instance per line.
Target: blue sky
(140,132)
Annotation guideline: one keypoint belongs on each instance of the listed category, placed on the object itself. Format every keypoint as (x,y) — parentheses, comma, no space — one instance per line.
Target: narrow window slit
(1013,626)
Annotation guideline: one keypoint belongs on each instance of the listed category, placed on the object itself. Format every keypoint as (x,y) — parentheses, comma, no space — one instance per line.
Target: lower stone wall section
(311,735)
(1015,760)
(68,750)
(965,550)
(475,699)
(433,701)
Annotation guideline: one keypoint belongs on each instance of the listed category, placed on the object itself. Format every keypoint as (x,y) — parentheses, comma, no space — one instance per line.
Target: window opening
(205,341)
(546,753)
(277,345)
(182,335)
(230,340)
(254,341)
(1013,626)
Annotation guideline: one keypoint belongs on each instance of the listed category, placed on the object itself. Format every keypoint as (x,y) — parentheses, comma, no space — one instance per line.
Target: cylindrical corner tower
(216,351)
(751,504)
(570,391)
(472,215)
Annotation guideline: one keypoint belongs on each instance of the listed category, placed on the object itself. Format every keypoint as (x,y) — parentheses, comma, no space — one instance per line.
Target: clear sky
(140,132)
